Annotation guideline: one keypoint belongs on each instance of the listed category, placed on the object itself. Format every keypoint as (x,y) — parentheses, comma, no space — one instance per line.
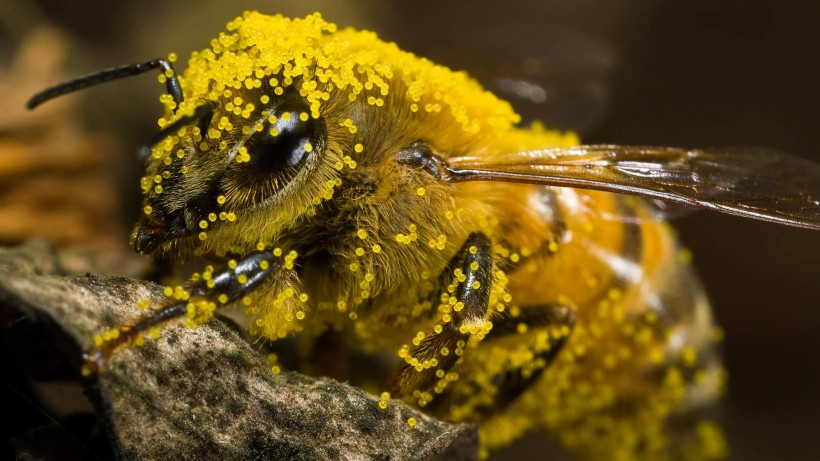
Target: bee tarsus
(198,301)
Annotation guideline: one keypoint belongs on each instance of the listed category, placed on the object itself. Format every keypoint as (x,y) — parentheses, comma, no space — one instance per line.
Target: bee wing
(755,183)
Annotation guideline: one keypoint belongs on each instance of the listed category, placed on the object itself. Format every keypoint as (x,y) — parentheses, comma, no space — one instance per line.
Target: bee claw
(94,362)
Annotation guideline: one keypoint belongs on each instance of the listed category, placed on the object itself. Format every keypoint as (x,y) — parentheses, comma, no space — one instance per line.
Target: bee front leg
(470,275)
(196,301)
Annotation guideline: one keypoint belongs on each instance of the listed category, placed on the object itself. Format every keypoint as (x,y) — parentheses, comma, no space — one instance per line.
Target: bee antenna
(107,75)
(201,115)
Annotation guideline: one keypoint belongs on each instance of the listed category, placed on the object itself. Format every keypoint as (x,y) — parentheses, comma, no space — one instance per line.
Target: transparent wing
(564,78)
(755,183)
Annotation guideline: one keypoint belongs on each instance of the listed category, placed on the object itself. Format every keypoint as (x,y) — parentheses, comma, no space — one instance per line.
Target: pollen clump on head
(272,53)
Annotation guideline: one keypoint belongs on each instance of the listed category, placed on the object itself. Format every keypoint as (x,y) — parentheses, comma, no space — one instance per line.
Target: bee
(344,191)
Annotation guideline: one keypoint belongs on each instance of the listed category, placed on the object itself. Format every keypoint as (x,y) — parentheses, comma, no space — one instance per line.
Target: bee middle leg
(543,330)
(470,273)
(554,323)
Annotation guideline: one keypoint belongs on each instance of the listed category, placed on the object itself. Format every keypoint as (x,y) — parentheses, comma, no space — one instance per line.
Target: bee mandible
(341,187)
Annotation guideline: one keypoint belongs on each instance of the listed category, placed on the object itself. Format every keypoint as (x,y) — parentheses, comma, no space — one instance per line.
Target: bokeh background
(692,73)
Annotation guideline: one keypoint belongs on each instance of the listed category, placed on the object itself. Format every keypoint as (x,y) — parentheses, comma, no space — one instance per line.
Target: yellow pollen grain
(685,256)
(689,356)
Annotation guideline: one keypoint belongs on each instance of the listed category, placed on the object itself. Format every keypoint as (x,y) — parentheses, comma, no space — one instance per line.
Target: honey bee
(341,189)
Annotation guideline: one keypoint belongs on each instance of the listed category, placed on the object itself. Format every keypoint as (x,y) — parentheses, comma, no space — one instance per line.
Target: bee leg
(557,320)
(440,349)
(197,301)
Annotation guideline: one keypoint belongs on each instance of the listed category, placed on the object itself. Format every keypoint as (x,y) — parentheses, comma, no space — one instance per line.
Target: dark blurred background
(694,73)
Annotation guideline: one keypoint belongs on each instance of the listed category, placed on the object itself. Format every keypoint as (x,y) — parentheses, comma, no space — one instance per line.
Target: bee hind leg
(470,275)
(197,301)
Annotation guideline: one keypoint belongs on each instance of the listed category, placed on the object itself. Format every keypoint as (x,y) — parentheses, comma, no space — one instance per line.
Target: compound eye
(286,143)
(274,155)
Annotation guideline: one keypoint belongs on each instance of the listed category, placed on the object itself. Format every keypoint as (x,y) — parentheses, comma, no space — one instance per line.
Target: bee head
(251,159)
(265,124)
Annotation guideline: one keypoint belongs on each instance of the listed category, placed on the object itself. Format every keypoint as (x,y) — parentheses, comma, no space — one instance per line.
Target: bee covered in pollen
(343,188)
